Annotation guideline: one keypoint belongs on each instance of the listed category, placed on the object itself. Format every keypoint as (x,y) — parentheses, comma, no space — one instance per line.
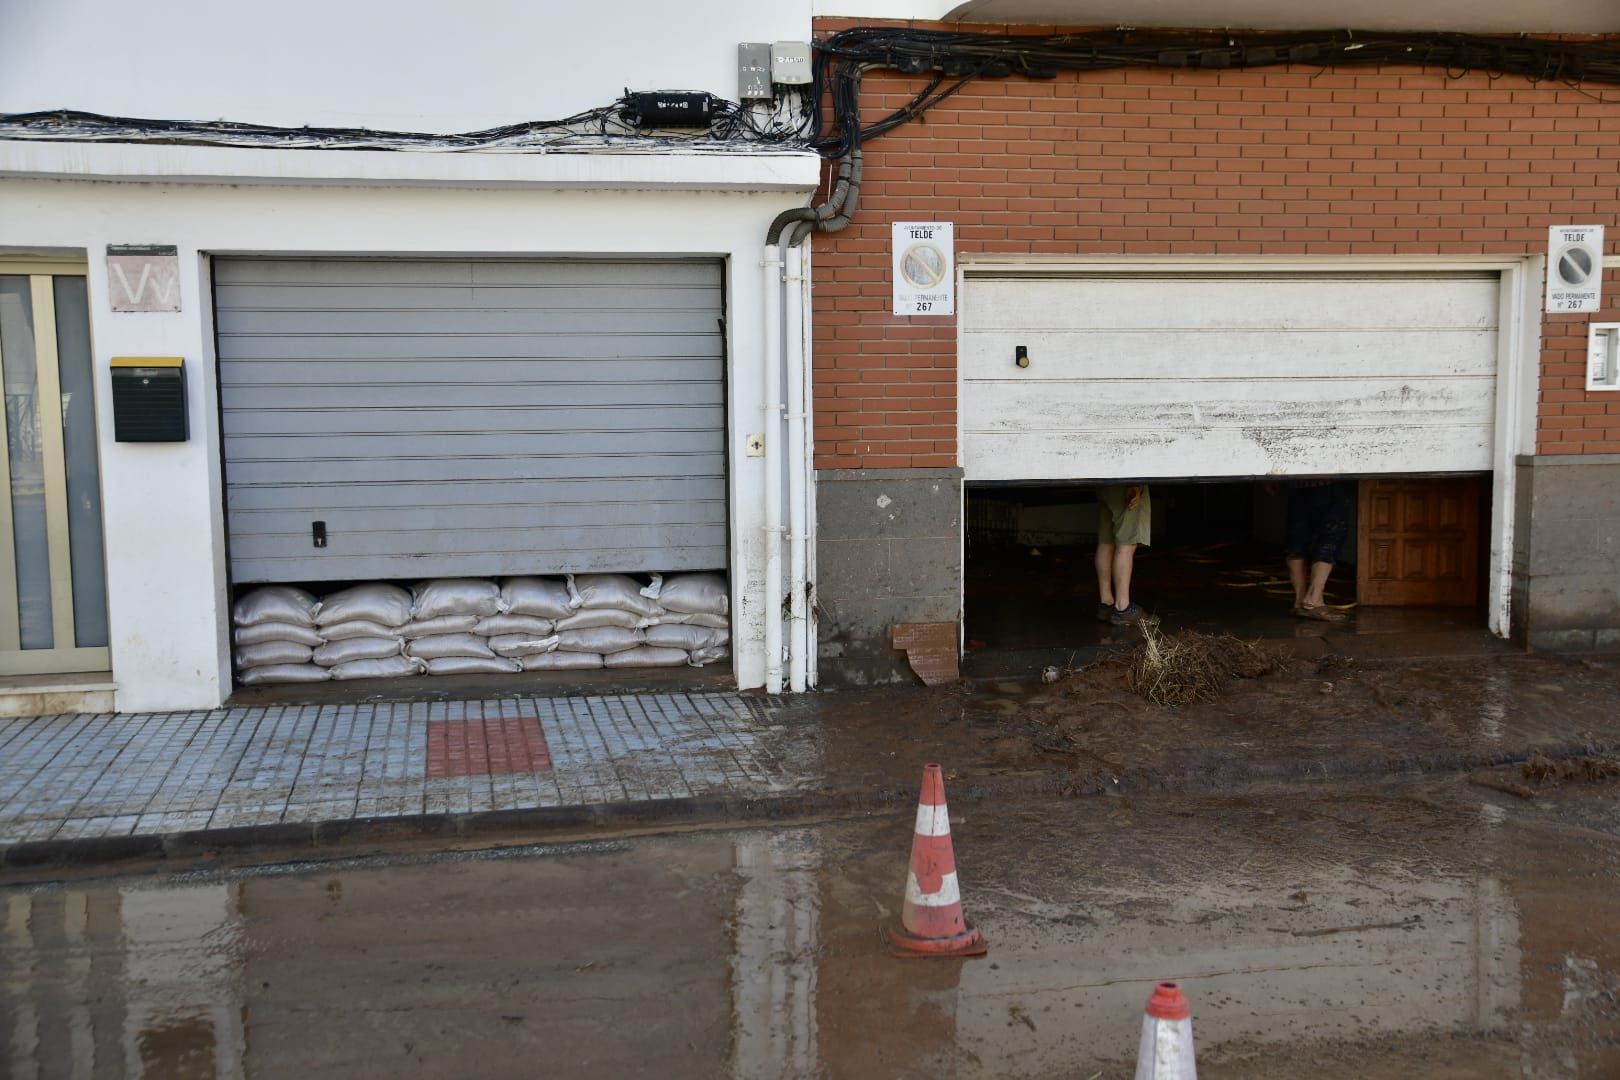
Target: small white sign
(1574,268)
(924,268)
(143,278)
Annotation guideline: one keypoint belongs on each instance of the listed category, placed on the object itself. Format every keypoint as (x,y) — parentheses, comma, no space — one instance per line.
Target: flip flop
(1320,614)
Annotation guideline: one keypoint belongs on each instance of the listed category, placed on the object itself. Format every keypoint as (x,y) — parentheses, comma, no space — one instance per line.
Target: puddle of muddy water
(1430,930)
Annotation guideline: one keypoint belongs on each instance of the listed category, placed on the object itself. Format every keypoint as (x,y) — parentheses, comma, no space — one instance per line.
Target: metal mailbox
(149,399)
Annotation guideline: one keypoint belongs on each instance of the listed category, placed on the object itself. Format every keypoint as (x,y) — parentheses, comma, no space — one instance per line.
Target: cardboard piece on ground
(930,649)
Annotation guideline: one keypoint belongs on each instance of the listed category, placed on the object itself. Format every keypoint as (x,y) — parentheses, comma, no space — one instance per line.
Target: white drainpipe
(798,569)
(771,409)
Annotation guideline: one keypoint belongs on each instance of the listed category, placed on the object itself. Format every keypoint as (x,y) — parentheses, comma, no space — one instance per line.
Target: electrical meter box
(149,399)
(754,71)
(790,63)
(1603,356)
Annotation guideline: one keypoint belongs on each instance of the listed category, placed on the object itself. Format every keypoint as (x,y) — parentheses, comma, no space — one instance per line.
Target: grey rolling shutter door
(471,417)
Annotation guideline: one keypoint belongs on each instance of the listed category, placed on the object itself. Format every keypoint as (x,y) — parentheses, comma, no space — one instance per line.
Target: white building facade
(639,217)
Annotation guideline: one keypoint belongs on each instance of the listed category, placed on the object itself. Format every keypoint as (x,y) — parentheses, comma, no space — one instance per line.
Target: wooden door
(1418,541)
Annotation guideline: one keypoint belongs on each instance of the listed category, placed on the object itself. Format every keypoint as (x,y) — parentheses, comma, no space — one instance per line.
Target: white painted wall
(164,504)
(417,65)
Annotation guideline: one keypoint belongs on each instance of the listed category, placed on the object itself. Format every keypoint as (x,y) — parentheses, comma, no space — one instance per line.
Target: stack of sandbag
(364,628)
(694,619)
(456,624)
(274,637)
(464,626)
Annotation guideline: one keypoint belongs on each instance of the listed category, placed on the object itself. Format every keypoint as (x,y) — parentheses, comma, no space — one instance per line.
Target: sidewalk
(85,788)
(80,777)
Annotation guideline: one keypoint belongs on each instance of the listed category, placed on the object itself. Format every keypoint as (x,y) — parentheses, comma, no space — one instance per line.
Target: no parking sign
(924,271)
(1574,268)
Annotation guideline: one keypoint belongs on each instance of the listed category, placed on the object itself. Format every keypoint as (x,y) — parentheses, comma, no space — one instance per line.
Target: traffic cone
(1166,1051)
(931,921)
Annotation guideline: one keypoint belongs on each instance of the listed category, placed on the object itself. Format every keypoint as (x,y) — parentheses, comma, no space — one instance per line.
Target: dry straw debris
(1186,667)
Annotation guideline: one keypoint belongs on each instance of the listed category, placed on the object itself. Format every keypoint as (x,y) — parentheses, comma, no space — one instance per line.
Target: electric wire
(826,114)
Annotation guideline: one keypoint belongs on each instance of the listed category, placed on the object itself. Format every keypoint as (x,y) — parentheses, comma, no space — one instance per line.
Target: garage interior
(1413,564)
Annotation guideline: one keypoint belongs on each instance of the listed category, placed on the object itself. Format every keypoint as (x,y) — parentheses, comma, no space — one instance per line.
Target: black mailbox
(149,399)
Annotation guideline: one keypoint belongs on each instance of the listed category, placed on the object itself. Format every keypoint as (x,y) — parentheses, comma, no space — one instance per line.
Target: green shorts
(1116,524)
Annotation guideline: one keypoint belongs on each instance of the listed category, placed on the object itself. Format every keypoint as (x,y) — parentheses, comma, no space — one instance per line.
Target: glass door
(53,589)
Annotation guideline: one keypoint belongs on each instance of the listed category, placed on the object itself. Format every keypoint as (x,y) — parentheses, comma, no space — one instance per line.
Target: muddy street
(1435,928)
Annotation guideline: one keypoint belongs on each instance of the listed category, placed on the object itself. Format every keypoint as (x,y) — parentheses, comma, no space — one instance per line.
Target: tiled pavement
(81,776)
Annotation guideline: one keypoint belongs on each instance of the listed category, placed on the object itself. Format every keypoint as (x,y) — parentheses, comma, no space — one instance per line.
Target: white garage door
(1143,376)
(453,417)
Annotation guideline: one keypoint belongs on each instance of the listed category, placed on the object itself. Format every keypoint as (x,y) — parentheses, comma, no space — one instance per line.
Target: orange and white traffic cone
(1166,1050)
(931,921)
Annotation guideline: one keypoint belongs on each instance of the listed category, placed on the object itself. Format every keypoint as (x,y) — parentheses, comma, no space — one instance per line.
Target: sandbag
(283,673)
(584,620)
(442,645)
(439,624)
(266,653)
(546,597)
(358,628)
(389,605)
(386,667)
(522,645)
(700,657)
(645,656)
(696,594)
(592,591)
(334,653)
(472,665)
(275,603)
(496,625)
(651,591)
(455,596)
(717,622)
(686,637)
(562,661)
(598,639)
(277,631)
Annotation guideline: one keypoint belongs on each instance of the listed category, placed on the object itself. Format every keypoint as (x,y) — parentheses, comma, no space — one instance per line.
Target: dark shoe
(1105,612)
(1131,616)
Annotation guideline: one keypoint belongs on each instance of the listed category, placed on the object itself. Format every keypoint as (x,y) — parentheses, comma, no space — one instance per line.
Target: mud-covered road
(1434,929)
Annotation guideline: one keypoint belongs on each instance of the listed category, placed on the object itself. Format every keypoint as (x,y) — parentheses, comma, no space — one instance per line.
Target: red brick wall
(1286,160)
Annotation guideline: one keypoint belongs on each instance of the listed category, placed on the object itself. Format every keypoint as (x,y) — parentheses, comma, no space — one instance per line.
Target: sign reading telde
(1574,268)
(924,270)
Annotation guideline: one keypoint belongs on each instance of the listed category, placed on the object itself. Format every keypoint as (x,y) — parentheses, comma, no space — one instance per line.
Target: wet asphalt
(1426,927)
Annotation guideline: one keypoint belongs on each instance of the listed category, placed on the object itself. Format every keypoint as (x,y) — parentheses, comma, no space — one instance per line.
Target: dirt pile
(1186,666)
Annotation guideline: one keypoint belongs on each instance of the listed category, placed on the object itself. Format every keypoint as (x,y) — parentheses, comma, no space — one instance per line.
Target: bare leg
(1105,574)
(1296,574)
(1124,561)
(1319,577)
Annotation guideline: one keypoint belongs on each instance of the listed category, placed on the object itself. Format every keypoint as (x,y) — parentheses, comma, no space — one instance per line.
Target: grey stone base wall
(1566,552)
(888,550)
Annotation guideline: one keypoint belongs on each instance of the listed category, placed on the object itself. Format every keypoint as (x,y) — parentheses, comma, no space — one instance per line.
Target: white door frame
(1518,354)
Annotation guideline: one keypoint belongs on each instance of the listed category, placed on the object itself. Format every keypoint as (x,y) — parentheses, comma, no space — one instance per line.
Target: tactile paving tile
(492,746)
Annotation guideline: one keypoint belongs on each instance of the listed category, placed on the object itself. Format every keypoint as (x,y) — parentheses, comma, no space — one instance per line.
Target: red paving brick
(493,746)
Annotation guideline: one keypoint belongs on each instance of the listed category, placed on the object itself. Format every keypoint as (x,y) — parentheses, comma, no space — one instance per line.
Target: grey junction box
(790,63)
(754,71)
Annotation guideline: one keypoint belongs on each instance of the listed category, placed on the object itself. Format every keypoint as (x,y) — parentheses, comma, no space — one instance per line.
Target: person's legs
(1297,578)
(1110,505)
(1297,544)
(1124,562)
(1319,577)
(1330,526)
(1105,574)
